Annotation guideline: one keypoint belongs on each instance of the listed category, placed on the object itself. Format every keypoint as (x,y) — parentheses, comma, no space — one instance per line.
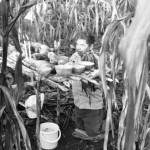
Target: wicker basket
(63,70)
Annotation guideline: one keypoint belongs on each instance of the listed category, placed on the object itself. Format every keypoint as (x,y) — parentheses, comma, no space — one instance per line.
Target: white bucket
(49,135)
(30,105)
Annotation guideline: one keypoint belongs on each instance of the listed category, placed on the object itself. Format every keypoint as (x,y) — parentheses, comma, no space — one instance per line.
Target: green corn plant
(110,41)
(135,73)
(133,51)
(11,123)
(111,32)
(64,19)
(124,139)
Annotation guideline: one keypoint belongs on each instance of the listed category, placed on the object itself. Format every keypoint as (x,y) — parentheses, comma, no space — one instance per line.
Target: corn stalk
(110,40)
(133,51)
(10,120)
(64,19)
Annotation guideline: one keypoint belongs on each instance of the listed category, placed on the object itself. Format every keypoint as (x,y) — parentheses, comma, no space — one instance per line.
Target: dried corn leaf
(133,52)
(144,138)
(11,101)
(105,40)
(54,84)
(131,47)
(16,40)
(19,80)
(87,79)
(1,111)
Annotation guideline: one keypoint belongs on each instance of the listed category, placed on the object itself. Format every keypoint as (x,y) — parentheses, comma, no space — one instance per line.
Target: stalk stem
(38,106)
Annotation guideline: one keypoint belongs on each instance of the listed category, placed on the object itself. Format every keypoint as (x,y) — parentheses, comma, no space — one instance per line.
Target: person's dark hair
(90,39)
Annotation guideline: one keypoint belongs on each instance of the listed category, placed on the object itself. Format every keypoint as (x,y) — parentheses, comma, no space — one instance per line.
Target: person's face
(82,46)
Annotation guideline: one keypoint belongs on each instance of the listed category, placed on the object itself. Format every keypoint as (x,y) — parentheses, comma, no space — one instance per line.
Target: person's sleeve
(96,59)
(74,58)
(95,73)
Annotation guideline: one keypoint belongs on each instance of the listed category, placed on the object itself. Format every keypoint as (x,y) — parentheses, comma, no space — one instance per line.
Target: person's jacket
(86,97)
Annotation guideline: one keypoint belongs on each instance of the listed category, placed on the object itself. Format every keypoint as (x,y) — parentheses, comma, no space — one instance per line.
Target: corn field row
(122,31)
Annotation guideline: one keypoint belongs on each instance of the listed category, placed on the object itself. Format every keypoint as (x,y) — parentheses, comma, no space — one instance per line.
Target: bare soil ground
(67,141)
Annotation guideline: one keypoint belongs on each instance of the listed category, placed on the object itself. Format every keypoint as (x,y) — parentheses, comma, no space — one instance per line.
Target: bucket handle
(54,140)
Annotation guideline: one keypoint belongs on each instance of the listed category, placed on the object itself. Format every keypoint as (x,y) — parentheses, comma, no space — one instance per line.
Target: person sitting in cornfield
(88,101)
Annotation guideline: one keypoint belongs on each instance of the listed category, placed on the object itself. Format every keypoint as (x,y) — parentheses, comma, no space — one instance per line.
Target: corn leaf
(19,80)
(1,111)
(105,40)
(142,88)
(16,40)
(144,138)
(108,121)
(11,101)
(133,52)
(148,90)
(132,2)
(121,137)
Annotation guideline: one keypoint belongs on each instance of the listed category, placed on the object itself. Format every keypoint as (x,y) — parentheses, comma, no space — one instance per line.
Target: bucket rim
(51,132)
(52,141)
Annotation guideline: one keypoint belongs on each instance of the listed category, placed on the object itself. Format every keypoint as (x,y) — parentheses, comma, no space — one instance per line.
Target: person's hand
(94,74)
